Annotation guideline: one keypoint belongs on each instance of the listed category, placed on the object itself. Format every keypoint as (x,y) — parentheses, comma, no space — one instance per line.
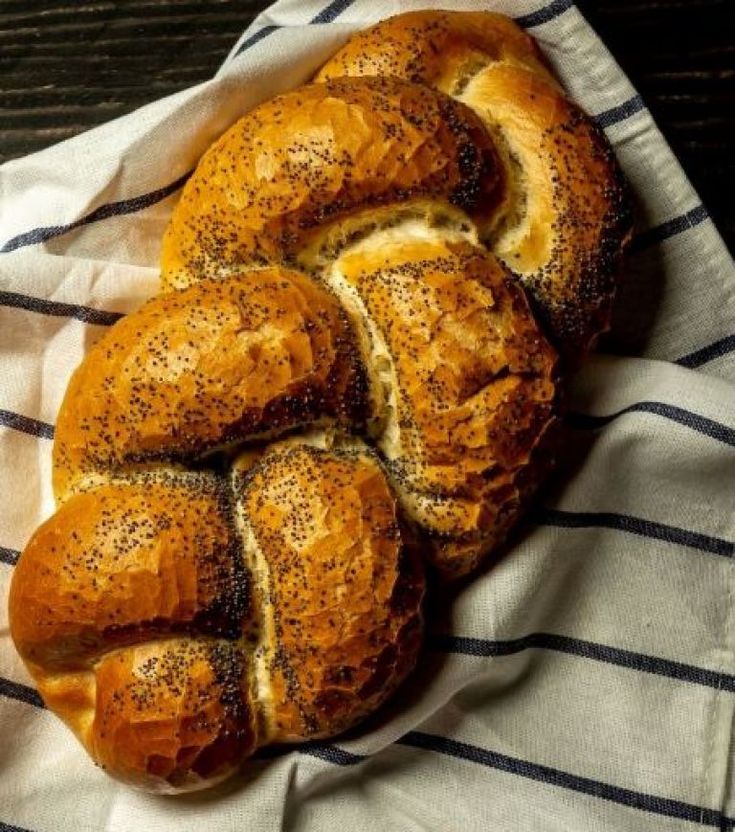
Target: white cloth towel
(587,681)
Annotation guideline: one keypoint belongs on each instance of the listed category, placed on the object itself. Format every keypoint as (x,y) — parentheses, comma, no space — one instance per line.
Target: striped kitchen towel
(586,681)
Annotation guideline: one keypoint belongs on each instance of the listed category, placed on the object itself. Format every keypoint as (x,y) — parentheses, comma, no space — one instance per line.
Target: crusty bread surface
(564,220)
(372,288)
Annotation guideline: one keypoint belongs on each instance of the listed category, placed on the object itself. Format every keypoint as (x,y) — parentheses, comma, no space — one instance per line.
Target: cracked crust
(128,606)
(565,217)
(176,622)
(342,590)
(471,386)
(192,371)
(326,271)
(314,157)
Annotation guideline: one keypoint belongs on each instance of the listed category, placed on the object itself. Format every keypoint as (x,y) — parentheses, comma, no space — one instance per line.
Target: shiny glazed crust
(396,179)
(339,589)
(189,372)
(565,220)
(469,386)
(316,156)
(230,564)
(177,621)
(128,607)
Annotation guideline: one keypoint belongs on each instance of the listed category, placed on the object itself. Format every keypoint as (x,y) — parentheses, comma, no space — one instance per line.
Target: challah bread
(341,380)
(564,220)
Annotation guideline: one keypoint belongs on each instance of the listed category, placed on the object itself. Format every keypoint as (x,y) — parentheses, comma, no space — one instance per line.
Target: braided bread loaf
(341,379)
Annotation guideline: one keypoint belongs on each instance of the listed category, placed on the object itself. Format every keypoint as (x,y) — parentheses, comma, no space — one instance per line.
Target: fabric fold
(585,680)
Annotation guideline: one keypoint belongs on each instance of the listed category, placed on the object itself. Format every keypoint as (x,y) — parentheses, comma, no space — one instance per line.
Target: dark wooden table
(66,65)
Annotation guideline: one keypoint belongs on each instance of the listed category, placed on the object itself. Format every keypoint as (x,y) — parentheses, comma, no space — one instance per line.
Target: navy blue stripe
(254,38)
(693,421)
(671,228)
(332,11)
(326,15)
(588,650)
(111,209)
(7,827)
(633,525)
(615,114)
(130,206)
(62,310)
(699,357)
(555,777)
(23,693)
(25,424)
(332,754)
(492,759)
(9,556)
(544,15)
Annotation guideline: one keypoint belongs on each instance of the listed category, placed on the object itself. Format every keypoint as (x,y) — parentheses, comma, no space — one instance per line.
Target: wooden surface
(66,65)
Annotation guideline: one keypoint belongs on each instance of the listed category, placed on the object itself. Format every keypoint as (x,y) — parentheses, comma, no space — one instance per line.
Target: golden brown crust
(565,218)
(474,385)
(566,250)
(194,370)
(344,593)
(172,716)
(168,716)
(120,605)
(442,49)
(315,156)
(125,562)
